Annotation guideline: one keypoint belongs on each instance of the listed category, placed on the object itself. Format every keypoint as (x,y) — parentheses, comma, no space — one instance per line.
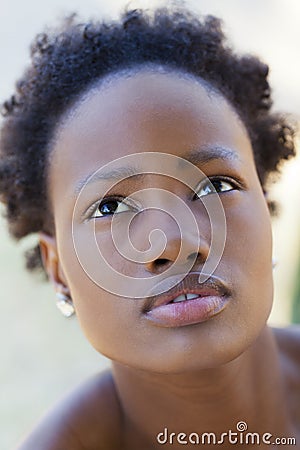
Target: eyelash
(235,185)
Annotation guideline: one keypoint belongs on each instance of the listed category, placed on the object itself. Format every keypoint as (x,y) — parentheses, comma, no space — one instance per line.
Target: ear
(266,196)
(51,263)
(271,204)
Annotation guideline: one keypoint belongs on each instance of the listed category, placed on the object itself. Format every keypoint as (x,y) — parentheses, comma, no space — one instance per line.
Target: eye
(214,185)
(109,207)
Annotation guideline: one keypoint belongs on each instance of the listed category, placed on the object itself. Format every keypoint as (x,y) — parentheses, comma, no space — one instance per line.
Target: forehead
(147,111)
(153,90)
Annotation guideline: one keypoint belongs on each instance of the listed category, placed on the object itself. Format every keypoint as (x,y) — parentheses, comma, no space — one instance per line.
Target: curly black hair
(67,60)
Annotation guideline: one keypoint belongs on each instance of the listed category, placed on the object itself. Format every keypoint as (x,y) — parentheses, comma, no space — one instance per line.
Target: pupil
(108,207)
(217,184)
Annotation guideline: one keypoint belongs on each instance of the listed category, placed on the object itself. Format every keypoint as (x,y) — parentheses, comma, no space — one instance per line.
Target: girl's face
(152,111)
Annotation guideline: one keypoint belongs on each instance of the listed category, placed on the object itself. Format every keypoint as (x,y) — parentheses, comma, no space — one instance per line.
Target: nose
(194,253)
(183,243)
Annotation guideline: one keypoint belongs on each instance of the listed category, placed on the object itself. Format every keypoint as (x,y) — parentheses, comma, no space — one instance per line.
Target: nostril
(161,262)
(193,256)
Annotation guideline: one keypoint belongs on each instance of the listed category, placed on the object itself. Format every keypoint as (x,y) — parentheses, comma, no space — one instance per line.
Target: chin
(210,350)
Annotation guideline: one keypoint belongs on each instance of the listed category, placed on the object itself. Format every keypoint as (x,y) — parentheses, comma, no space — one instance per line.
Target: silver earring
(64,304)
(274,262)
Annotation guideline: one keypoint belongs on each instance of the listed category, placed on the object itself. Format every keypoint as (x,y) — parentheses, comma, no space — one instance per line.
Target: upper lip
(213,286)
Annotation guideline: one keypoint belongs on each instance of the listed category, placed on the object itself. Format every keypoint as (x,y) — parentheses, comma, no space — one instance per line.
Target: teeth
(180,298)
(183,297)
(191,296)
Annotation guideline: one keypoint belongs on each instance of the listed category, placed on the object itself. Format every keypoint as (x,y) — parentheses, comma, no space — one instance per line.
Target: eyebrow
(200,156)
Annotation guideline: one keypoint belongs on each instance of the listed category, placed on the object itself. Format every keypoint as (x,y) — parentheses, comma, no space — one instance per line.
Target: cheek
(249,250)
(79,259)
(249,232)
(106,320)
(110,323)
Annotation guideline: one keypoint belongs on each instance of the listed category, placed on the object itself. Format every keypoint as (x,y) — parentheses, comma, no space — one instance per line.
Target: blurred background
(43,354)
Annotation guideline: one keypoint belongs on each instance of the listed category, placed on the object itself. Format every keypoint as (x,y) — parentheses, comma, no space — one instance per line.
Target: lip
(213,296)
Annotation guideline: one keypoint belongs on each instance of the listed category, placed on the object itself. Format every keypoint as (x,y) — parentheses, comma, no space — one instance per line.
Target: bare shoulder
(288,341)
(89,418)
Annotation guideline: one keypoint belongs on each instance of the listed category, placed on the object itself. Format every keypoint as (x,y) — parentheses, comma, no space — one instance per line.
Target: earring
(274,263)
(64,304)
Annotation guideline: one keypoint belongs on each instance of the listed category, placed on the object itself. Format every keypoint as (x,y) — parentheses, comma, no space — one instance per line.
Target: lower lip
(188,312)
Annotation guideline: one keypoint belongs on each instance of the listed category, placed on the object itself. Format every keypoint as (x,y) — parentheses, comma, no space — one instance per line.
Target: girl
(140,151)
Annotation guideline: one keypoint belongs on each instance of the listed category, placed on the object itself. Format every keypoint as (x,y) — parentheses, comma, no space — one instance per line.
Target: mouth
(188,302)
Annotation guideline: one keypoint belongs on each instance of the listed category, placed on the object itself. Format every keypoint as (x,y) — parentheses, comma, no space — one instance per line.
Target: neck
(248,389)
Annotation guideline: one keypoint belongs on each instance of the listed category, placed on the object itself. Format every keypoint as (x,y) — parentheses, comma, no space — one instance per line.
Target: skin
(202,377)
